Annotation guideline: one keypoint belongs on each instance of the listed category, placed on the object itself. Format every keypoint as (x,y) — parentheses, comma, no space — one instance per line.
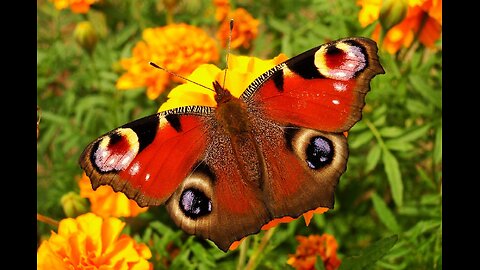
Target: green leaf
(390,132)
(392,169)
(421,86)
(379,112)
(391,65)
(424,226)
(373,157)
(397,145)
(202,255)
(384,214)
(160,228)
(426,178)
(416,133)
(416,106)
(56,119)
(360,139)
(369,255)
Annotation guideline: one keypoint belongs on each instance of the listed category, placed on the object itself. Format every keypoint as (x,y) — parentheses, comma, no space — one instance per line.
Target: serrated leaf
(369,255)
(392,169)
(384,214)
(373,157)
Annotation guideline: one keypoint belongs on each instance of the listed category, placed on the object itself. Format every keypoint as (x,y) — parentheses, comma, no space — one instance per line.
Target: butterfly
(277,150)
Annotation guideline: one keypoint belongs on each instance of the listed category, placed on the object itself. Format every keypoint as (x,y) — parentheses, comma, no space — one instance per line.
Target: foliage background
(393,184)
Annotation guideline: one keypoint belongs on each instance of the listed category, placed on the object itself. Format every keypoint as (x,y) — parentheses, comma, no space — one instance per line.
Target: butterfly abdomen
(233,123)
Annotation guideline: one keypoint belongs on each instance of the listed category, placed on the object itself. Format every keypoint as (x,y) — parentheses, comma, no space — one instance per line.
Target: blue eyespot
(319,152)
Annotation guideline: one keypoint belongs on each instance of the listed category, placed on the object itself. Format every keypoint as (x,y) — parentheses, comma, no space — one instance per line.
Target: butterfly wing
(148,158)
(300,110)
(181,158)
(323,88)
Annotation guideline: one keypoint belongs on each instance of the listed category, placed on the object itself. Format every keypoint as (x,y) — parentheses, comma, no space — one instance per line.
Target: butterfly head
(222,95)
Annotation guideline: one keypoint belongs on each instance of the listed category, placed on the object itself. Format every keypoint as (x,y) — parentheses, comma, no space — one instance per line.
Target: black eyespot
(333,50)
(195,203)
(319,152)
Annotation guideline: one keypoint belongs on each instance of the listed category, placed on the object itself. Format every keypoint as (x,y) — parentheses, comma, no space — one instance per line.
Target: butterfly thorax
(231,112)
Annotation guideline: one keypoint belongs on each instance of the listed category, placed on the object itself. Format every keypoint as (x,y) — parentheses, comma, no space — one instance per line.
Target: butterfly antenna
(177,75)
(228,52)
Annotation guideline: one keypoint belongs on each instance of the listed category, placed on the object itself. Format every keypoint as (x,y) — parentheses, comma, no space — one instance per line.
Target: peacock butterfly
(225,171)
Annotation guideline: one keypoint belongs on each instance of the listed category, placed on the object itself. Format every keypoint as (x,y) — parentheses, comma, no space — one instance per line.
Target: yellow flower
(242,70)
(423,21)
(105,202)
(179,48)
(370,11)
(245,29)
(91,242)
(310,248)
(77,6)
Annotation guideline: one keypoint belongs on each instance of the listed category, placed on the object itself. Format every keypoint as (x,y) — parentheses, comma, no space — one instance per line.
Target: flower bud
(86,36)
(73,205)
(392,12)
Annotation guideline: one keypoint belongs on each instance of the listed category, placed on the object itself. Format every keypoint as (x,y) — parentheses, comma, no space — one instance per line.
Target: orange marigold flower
(222,9)
(77,6)
(244,31)
(92,242)
(423,21)
(310,248)
(107,203)
(370,11)
(179,48)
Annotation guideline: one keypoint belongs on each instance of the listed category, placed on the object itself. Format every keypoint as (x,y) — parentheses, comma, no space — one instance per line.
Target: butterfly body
(276,150)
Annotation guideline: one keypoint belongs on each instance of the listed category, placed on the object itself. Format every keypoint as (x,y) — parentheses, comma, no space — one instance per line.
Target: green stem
(243,253)
(49,221)
(263,243)
(375,132)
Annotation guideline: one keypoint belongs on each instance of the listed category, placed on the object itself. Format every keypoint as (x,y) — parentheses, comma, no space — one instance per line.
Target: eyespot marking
(194,203)
(319,152)
(342,60)
(114,152)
